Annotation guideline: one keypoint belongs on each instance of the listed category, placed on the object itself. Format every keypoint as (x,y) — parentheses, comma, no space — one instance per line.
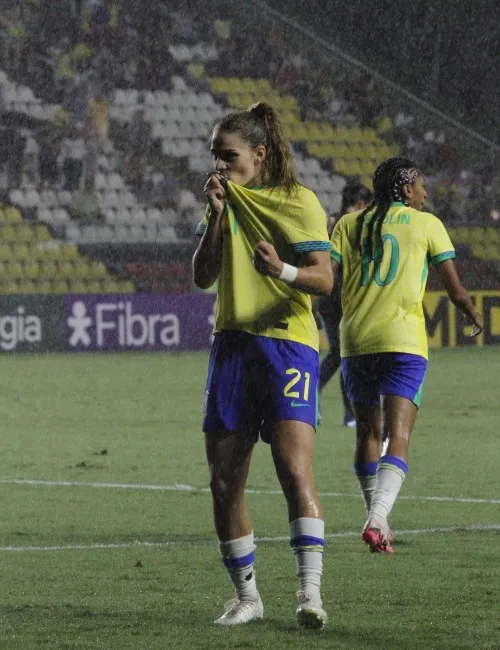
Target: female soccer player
(354,197)
(264,237)
(383,253)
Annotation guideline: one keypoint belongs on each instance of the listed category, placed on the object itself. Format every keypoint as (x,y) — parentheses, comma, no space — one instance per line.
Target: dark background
(444,51)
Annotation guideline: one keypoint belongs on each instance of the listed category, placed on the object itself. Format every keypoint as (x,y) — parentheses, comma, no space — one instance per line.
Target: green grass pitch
(106,537)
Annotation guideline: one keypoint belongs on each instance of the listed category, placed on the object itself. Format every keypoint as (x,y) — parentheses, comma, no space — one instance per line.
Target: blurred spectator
(72,155)
(138,145)
(85,205)
(49,147)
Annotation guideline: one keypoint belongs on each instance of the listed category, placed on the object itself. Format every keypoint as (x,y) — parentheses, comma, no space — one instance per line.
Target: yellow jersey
(248,301)
(382,297)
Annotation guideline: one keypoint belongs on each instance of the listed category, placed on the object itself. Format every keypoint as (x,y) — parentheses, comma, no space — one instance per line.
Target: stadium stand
(105,139)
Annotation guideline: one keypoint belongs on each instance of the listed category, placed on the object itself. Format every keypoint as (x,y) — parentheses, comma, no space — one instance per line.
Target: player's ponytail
(388,181)
(261,125)
(278,166)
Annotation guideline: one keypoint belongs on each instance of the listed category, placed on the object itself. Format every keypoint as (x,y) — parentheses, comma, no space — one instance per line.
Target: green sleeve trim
(336,256)
(200,229)
(312,246)
(442,257)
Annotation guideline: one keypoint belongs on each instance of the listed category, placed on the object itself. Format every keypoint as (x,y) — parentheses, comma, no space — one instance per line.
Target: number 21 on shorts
(290,388)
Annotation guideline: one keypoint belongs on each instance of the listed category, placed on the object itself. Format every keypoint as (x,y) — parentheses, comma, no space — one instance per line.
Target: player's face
(236,160)
(416,193)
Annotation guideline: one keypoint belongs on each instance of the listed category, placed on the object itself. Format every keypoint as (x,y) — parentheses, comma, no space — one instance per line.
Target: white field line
(180,487)
(136,545)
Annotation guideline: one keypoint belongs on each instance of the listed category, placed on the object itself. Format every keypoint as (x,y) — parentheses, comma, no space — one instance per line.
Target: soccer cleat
(377,542)
(310,612)
(241,611)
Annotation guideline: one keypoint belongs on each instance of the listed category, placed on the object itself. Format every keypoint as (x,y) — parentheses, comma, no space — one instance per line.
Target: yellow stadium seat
(81,270)
(48,270)
(25,233)
(491,235)
(12,215)
(43,286)
(60,286)
(476,236)
(49,253)
(21,252)
(42,233)
(97,271)
(461,235)
(31,270)
(26,286)
(94,287)
(5,253)
(109,286)
(10,287)
(69,252)
(492,252)
(77,286)
(15,271)
(65,270)
(8,234)
(127,287)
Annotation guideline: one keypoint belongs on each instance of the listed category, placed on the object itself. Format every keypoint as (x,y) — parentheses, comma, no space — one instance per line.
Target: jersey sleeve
(306,229)
(336,240)
(440,247)
(202,226)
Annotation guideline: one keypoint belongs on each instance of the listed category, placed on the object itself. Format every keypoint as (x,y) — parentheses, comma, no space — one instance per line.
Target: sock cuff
(238,552)
(394,463)
(365,469)
(307,532)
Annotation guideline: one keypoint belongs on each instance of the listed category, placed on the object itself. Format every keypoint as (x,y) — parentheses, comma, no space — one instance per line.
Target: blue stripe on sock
(397,462)
(238,562)
(365,469)
(307,540)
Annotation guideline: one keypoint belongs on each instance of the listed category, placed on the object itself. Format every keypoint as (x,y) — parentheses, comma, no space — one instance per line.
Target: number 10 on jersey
(378,255)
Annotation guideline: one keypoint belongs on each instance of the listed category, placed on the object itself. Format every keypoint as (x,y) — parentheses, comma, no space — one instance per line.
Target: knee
(223,484)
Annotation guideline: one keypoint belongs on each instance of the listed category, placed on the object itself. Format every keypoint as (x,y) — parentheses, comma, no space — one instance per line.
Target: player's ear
(260,153)
(407,192)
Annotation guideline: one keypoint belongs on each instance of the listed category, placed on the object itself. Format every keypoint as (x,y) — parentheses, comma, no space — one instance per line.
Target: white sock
(307,539)
(238,557)
(391,473)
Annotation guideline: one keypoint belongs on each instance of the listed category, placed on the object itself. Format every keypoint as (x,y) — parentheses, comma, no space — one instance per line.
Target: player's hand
(266,260)
(478,325)
(216,194)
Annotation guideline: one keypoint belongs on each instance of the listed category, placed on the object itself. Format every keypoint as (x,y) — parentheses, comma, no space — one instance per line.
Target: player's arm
(314,277)
(207,258)
(458,294)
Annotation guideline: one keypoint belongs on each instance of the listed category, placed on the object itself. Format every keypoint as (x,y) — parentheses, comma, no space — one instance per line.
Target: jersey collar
(397,204)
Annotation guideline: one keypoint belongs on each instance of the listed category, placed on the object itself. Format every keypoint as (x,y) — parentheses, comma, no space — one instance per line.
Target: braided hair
(388,181)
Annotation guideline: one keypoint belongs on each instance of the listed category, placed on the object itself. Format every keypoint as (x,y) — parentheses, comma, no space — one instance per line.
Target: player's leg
(401,387)
(349,419)
(229,456)
(292,447)
(362,380)
(331,362)
(399,415)
(229,447)
(292,402)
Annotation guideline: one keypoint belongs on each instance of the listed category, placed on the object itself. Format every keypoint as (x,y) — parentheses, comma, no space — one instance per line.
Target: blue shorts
(255,381)
(368,376)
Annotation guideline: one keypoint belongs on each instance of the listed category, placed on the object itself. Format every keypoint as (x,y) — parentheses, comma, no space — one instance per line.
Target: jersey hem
(381,350)
(268,336)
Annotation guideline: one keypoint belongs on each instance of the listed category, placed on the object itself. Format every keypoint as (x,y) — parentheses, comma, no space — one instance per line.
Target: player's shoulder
(429,218)
(306,195)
